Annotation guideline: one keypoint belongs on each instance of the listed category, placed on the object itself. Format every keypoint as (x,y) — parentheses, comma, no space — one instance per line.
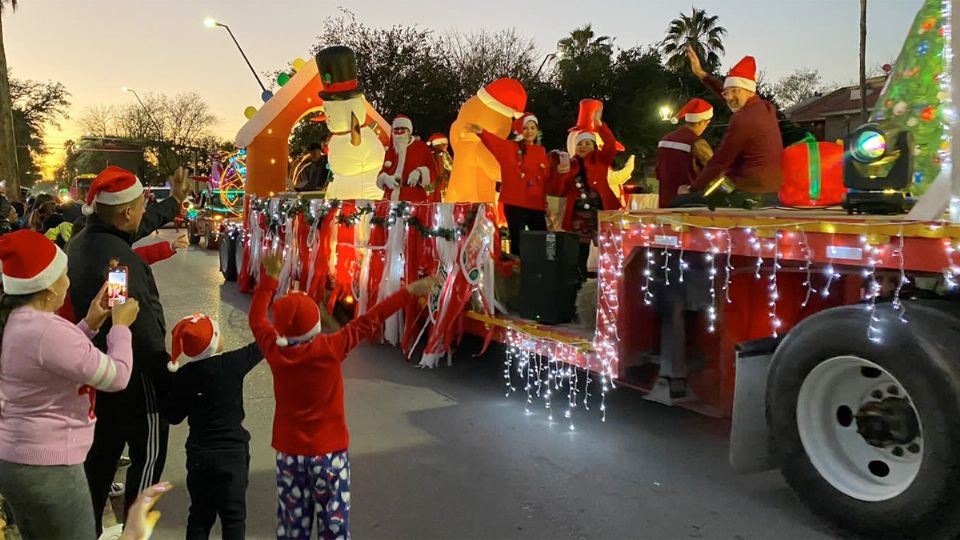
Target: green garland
(290,208)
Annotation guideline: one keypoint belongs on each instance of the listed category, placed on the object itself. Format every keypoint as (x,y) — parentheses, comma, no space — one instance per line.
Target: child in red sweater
(309,426)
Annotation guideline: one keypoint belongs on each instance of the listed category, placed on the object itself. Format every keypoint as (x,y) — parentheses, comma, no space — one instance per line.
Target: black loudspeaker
(548,276)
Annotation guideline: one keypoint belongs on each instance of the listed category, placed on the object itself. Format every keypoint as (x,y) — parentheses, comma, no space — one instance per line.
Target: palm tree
(699,31)
(8,146)
(581,42)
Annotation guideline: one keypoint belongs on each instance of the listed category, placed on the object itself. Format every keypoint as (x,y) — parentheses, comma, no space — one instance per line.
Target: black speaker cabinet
(548,276)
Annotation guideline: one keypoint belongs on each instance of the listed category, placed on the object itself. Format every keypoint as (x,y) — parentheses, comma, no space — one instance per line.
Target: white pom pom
(674,120)
(282,341)
(172,366)
(87,210)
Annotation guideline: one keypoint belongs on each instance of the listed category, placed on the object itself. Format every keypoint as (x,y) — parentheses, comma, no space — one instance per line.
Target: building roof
(841,101)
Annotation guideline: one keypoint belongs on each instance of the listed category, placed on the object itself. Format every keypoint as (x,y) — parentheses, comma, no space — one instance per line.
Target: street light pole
(146,110)
(545,58)
(210,23)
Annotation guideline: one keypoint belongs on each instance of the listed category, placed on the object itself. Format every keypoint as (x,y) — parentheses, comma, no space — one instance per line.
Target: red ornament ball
(927,114)
(928,25)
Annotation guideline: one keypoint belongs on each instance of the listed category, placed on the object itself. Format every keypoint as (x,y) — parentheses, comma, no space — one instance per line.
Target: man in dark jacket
(129,417)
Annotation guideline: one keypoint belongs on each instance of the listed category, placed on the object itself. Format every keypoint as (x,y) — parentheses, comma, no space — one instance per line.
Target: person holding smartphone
(49,369)
(118,217)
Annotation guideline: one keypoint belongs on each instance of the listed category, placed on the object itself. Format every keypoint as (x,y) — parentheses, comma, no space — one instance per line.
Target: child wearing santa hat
(309,426)
(47,369)
(208,392)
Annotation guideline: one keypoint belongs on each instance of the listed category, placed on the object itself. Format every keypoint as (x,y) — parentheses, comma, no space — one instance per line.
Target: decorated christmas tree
(916,96)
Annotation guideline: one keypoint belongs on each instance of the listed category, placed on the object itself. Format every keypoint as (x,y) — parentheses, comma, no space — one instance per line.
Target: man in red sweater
(309,425)
(749,153)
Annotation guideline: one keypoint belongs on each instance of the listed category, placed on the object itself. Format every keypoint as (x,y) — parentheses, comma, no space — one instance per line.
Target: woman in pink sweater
(47,368)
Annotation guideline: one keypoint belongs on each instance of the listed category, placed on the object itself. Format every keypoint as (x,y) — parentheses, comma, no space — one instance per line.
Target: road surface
(445,455)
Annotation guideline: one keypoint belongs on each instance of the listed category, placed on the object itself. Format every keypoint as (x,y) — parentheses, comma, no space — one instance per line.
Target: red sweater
(523,177)
(749,153)
(307,381)
(597,165)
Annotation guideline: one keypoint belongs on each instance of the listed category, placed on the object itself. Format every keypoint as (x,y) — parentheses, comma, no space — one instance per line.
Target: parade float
(830,339)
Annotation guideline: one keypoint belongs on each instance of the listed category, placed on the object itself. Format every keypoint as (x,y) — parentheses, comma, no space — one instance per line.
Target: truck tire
(867,431)
(193,234)
(228,258)
(212,239)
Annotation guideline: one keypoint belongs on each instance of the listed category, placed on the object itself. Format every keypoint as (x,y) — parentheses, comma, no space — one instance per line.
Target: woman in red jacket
(586,188)
(524,174)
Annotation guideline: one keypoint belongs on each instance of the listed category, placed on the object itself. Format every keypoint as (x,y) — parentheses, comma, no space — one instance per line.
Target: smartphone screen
(117,286)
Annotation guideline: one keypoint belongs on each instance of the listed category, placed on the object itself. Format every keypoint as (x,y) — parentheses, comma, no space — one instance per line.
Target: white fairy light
(872,289)
(728,267)
(807,268)
(772,290)
(902,279)
(709,258)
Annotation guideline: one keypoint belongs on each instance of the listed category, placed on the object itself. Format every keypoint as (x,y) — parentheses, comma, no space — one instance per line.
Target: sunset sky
(95,47)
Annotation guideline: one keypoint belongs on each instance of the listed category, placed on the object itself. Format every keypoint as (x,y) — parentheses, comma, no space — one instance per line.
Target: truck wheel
(193,235)
(212,239)
(228,258)
(866,431)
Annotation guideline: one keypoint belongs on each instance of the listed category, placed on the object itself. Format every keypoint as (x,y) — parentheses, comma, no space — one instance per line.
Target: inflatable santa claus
(409,167)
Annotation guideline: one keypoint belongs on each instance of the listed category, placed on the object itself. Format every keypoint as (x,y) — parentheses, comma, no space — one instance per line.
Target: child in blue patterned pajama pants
(310,486)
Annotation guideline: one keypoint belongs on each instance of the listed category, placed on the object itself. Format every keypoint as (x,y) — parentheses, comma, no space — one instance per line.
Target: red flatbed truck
(854,396)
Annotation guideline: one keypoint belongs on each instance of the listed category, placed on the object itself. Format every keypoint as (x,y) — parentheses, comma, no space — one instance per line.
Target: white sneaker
(116,489)
(112,533)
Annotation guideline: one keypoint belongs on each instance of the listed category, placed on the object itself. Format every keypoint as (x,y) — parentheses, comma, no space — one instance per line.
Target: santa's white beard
(400,143)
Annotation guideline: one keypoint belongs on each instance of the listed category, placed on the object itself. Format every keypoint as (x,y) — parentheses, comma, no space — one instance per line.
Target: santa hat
(505,96)
(402,121)
(585,136)
(296,318)
(437,139)
(743,75)
(112,186)
(522,122)
(194,338)
(30,262)
(696,110)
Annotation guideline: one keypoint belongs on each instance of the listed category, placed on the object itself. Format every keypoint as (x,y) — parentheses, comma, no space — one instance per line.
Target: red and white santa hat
(585,136)
(30,262)
(114,185)
(743,75)
(296,318)
(194,338)
(402,121)
(521,122)
(505,96)
(437,139)
(696,110)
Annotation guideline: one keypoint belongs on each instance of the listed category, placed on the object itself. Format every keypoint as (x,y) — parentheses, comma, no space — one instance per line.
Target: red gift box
(812,174)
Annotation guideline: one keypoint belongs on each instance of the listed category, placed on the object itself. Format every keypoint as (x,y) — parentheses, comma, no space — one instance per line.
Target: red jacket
(597,165)
(419,158)
(751,148)
(307,381)
(523,177)
(151,253)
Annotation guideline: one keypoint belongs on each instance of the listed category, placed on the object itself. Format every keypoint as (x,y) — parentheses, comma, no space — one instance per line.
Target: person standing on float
(408,167)
(585,183)
(524,175)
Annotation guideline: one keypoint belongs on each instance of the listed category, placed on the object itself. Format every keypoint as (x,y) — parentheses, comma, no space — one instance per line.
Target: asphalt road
(444,454)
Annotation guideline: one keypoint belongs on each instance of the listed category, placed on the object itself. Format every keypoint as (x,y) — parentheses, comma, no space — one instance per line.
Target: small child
(309,427)
(208,390)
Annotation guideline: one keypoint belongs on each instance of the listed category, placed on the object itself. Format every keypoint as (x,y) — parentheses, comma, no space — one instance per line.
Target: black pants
(217,481)
(132,419)
(520,219)
(737,199)
(583,256)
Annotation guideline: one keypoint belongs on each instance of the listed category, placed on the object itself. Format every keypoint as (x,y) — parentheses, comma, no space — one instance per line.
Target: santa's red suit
(409,165)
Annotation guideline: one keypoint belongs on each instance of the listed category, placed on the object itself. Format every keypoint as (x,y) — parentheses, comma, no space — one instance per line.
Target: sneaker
(116,489)
(124,462)
(112,533)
